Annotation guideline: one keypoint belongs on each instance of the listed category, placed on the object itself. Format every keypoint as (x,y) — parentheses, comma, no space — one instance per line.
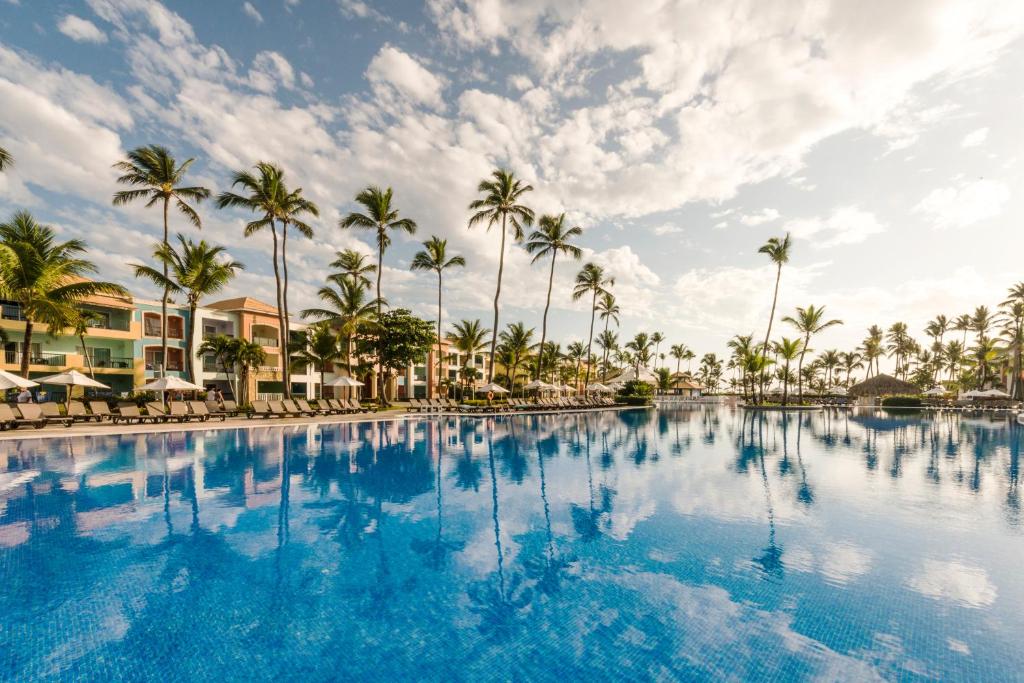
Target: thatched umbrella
(882,385)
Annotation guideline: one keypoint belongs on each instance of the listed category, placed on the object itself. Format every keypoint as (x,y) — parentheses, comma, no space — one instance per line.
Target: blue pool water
(700,543)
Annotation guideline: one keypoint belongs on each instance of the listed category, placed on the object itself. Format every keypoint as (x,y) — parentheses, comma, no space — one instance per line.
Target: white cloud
(80,30)
(954,581)
(270,70)
(764,216)
(397,69)
(975,138)
(252,12)
(667,229)
(845,225)
(520,82)
(964,204)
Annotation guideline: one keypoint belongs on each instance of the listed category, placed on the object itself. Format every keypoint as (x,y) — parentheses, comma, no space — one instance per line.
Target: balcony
(273,342)
(55,360)
(114,363)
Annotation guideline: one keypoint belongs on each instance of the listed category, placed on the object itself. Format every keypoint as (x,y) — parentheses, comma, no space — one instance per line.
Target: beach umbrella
(343,381)
(170,384)
(8,380)
(994,393)
(882,385)
(491,386)
(973,393)
(566,388)
(72,378)
(936,391)
(837,391)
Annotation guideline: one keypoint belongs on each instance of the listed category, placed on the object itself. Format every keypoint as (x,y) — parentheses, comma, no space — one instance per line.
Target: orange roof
(105,299)
(243,303)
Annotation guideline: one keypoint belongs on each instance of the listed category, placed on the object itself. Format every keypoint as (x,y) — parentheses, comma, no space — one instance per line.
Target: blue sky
(679,135)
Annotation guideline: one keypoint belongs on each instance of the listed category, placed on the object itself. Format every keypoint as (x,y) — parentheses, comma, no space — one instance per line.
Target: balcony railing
(173,366)
(267,341)
(116,363)
(43,358)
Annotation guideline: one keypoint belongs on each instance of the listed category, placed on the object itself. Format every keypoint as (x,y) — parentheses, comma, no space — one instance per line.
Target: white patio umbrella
(566,388)
(973,393)
(598,388)
(995,393)
(344,381)
(8,380)
(72,378)
(491,386)
(837,391)
(936,391)
(170,384)
(540,386)
(644,375)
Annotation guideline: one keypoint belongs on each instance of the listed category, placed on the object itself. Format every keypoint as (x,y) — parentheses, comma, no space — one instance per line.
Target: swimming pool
(693,543)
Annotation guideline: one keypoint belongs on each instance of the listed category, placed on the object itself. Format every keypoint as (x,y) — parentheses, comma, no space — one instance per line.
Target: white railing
(269,397)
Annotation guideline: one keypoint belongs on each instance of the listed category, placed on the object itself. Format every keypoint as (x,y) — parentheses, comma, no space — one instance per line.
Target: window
(175,327)
(151,323)
(175,358)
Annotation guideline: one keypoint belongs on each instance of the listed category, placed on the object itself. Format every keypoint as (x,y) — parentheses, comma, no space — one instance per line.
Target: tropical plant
(640,346)
(552,238)
(777,250)
(350,263)
(575,352)
(82,322)
(318,347)
(434,256)
(829,360)
(156,177)
(809,322)
(788,350)
(6,160)
(591,280)
(221,348)
(872,348)
(850,360)
(402,339)
(609,342)
(515,341)
(193,271)
(348,310)
(468,337)
(656,339)
(245,355)
(45,277)
(502,194)
(608,311)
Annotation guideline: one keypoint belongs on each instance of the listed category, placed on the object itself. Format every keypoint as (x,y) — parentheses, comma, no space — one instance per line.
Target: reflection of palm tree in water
(548,570)
(770,560)
(588,522)
(497,607)
(1013,476)
(805,495)
(435,552)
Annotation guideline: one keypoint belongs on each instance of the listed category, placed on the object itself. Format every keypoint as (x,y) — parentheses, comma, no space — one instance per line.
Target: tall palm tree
(352,264)
(829,362)
(245,355)
(955,355)
(809,322)
(591,279)
(502,193)
(515,340)
(850,360)
(678,351)
(552,238)
(872,347)
(608,341)
(575,353)
(193,271)
(656,339)
(82,322)
(347,309)
(777,250)
(788,350)
(264,194)
(640,345)
(156,177)
(318,348)
(608,311)
(468,337)
(435,257)
(45,277)
(962,323)
(293,208)
(382,218)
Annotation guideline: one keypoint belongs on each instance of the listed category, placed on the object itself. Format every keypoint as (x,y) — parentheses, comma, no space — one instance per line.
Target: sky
(885,137)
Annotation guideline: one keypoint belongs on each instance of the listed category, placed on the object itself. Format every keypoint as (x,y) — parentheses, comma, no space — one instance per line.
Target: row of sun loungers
(304,408)
(422,405)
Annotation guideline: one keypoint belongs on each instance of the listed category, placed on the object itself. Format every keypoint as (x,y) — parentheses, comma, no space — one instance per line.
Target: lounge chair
(157,409)
(415,406)
(51,411)
(293,407)
(180,412)
(101,410)
(324,406)
(9,420)
(278,409)
(129,412)
(32,412)
(200,408)
(312,410)
(76,411)
(354,402)
(260,409)
(339,407)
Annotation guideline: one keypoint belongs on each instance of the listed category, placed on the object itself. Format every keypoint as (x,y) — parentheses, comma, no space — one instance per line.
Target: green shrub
(635,393)
(902,402)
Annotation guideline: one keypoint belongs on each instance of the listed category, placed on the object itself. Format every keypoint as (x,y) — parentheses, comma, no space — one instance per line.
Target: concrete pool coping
(110,429)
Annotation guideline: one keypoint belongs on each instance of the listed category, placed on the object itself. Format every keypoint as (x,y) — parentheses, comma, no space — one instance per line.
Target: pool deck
(109,429)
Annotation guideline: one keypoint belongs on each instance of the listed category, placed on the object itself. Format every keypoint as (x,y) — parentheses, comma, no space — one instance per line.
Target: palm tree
(809,321)
(850,360)
(352,264)
(502,194)
(575,353)
(265,193)
(220,347)
(591,279)
(83,321)
(962,323)
(955,355)
(245,355)
(899,342)
(515,341)
(608,311)
(194,271)
(44,277)
(6,160)
(640,345)
(552,238)
(468,337)
(349,311)
(678,351)
(156,177)
(435,257)
(292,207)
(318,348)
(829,362)
(872,347)
(778,252)
(742,346)
(788,350)
(608,341)
(656,339)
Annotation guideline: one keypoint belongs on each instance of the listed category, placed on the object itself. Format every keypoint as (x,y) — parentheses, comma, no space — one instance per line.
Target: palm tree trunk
(190,360)
(163,302)
(440,353)
(800,371)
(282,332)
(771,319)
(604,356)
(497,294)
(286,369)
(26,347)
(88,358)
(379,373)
(785,385)
(544,320)
(590,340)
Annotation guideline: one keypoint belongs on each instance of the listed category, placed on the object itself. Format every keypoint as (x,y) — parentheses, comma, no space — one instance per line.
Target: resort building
(148,345)
(109,348)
